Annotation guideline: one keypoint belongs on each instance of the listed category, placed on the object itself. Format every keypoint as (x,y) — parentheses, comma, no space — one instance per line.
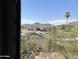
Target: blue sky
(48,11)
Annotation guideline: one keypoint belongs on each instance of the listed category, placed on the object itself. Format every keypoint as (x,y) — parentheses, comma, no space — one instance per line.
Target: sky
(48,11)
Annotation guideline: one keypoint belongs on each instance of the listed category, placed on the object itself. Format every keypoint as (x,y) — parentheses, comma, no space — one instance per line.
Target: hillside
(40,26)
(59,40)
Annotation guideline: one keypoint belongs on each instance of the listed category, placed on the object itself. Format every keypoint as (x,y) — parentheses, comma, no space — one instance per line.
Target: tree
(67,15)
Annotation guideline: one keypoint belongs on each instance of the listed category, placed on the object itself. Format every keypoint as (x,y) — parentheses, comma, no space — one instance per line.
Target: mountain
(45,27)
(35,26)
(74,23)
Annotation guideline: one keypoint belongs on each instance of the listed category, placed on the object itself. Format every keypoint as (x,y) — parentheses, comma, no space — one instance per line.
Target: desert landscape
(46,41)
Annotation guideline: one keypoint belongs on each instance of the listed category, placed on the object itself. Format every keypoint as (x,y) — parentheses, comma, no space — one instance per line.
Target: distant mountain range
(35,25)
(73,23)
(42,26)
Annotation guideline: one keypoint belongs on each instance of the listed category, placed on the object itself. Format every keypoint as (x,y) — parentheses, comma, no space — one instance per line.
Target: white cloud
(53,22)
(26,21)
(60,21)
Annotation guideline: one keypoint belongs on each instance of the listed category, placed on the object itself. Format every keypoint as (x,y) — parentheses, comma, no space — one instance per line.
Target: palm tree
(67,15)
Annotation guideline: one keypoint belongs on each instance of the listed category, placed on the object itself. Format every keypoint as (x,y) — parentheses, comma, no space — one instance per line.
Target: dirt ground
(54,55)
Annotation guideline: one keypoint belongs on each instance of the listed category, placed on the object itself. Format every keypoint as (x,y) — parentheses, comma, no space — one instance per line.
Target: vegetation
(67,15)
(55,41)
